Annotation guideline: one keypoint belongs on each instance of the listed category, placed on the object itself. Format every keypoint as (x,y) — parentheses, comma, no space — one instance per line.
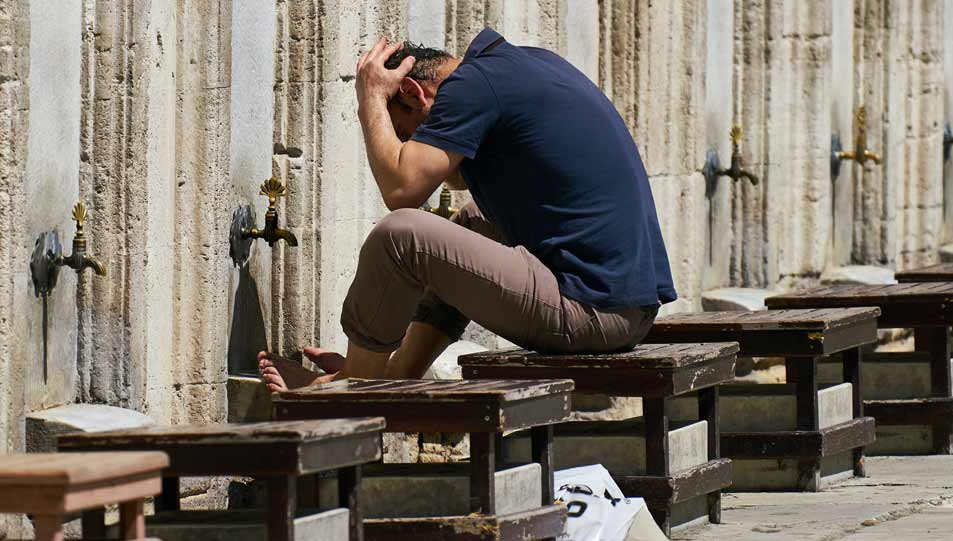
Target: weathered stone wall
(166,116)
(14,242)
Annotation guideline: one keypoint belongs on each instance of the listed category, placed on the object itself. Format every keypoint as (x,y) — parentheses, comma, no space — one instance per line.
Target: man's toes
(274,381)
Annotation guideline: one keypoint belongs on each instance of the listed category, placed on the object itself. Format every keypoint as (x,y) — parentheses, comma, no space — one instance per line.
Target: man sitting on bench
(559,252)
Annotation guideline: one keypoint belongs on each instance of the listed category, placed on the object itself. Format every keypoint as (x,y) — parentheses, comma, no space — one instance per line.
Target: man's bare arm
(406,173)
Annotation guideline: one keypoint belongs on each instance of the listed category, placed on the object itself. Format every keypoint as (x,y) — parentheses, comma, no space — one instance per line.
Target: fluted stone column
(753,261)
(658,85)
(947,42)
(783,100)
(203,203)
(913,135)
(15,248)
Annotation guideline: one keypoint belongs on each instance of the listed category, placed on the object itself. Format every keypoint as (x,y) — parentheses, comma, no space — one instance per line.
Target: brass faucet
(444,210)
(735,171)
(78,260)
(861,153)
(712,170)
(273,189)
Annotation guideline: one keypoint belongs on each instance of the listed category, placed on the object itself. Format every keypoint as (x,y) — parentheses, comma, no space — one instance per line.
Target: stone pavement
(904,498)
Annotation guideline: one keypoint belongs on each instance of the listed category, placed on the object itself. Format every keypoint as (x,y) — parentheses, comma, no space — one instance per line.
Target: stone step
(435,490)
(248,400)
(244,525)
(617,445)
(43,427)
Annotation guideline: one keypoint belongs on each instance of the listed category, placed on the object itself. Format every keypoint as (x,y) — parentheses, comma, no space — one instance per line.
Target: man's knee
(395,230)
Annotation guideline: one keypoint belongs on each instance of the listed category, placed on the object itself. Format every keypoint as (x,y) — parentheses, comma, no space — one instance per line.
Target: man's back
(552,164)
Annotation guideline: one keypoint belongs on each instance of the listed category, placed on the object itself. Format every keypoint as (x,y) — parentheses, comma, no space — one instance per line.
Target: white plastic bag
(597,510)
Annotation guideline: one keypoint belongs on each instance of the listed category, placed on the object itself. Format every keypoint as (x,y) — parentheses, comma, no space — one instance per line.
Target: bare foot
(328,361)
(280,374)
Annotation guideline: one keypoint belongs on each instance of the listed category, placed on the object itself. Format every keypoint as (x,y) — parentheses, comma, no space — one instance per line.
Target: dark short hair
(427,60)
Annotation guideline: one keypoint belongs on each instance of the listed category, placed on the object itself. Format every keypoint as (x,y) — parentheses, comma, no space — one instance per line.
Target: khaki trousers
(416,266)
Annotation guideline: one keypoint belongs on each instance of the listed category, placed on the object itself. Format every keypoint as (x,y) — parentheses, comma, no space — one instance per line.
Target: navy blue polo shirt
(549,160)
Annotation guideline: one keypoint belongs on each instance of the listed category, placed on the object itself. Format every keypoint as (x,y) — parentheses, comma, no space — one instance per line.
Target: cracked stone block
(619,446)
(42,427)
(735,298)
(858,274)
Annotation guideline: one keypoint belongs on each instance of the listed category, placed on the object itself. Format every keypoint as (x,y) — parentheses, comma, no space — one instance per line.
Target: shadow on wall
(247,335)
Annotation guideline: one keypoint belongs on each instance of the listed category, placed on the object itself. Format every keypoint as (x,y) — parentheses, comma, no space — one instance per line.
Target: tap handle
(273,189)
(79,216)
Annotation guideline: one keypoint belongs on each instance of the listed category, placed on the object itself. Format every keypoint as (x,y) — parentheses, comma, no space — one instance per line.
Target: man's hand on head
(376,83)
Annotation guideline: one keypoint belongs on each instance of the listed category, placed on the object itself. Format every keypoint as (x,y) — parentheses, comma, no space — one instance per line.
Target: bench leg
(349,495)
(132,522)
(308,492)
(935,340)
(94,523)
(169,499)
(542,447)
(482,473)
(708,411)
(804,372)
(656,453)
(852,361)
(48,527)
(282,502)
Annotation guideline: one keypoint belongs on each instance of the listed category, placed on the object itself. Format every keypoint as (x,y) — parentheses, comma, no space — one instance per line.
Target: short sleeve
(464,111)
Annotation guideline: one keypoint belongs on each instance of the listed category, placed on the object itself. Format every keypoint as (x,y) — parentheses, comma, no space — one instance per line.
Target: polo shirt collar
(479,44)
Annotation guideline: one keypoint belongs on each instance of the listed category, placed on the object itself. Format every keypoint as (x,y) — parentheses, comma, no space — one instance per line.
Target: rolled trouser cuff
(368,343)
(444,317)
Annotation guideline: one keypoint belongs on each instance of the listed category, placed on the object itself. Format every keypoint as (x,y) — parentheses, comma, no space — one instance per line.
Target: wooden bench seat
(484,409)
(277,452)
(925,307)
(655,372)
(801,337)
(50,485)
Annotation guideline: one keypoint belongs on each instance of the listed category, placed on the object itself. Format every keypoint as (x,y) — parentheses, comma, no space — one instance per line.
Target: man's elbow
(401,200)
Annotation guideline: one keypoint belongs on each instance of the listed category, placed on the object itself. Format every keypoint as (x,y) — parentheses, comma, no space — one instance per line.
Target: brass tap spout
(861,153)
(273,189)
(735,171)
(78,260)
(444,210)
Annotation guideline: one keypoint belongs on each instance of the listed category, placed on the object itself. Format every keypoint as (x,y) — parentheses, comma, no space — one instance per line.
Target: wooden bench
(277,452)
(483,409)
(925,307)
(50,485)
(655,372)
(801,337)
